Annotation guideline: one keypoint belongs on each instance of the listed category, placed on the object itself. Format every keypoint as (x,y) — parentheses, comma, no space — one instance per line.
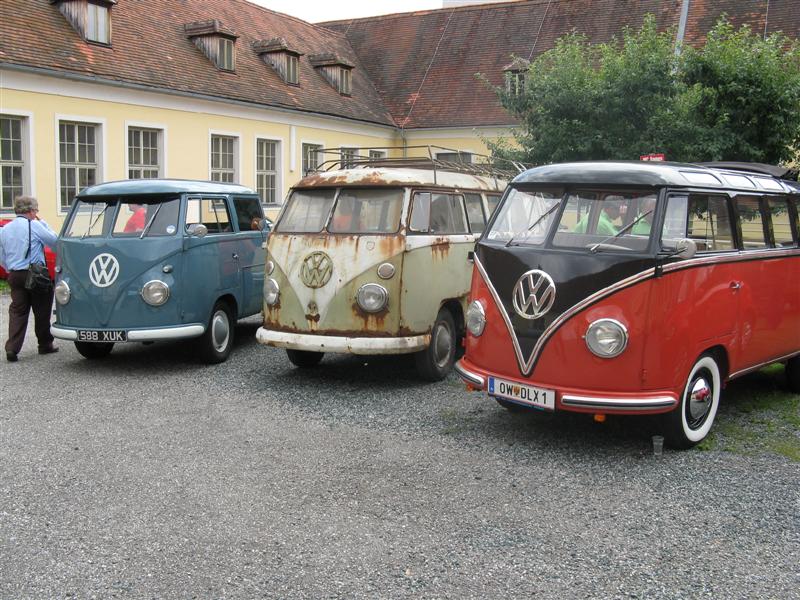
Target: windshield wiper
(150,222)
(594,247)
(96,219)
(535,223)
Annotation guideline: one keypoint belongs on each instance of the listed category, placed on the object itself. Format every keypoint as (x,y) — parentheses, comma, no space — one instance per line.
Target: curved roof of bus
(162,186)
(651,174)
(402,177)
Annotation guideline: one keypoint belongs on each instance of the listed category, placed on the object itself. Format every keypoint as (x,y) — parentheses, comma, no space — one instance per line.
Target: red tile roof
(415,69)
(424,63)
(150,48)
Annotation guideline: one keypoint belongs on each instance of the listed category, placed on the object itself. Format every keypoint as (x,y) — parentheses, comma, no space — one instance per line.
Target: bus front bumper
(348,345)
(131,335)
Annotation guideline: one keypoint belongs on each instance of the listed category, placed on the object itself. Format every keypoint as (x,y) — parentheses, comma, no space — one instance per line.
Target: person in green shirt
(647,207)
(605,223)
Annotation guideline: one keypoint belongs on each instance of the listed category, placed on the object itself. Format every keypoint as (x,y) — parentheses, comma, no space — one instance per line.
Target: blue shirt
(14,243)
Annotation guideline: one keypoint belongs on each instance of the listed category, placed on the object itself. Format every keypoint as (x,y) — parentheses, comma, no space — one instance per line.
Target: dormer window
(216,41)
(277,54)
(336,72)
(516,76)
(90,18)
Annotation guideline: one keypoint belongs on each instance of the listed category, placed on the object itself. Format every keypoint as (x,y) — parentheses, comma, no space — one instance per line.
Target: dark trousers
(22,301)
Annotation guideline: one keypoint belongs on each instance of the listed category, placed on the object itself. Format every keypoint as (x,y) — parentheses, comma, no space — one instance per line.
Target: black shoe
(11,356)
(47,349)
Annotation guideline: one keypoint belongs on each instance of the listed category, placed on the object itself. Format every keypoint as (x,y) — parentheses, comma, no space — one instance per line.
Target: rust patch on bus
(440,248)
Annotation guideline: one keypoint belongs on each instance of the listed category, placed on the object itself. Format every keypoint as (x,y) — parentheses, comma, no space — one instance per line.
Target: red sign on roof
(653,157)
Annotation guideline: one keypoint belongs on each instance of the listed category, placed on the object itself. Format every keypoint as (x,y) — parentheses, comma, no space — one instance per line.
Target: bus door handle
(736,285)
(235,256)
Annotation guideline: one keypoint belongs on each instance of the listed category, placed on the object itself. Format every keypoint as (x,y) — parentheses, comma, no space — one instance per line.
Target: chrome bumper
(137,335)
(348,345)
(601,403)
(468,376)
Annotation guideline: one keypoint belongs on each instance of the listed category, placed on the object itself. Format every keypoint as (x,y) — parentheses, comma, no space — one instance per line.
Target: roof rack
(774,170)
(486,166)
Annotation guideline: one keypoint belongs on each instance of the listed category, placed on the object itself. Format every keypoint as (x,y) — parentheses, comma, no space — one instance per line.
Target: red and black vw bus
(635,288)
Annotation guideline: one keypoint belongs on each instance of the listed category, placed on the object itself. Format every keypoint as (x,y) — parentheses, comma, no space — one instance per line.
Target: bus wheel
(303,358)
(217,341)
(691,421)
(94,351)
(793,374)
(511,407)
(436,361)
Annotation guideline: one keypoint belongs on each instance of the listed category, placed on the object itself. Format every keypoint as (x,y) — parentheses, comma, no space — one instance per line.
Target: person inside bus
(647,208)
(136,220)
(605,223)
(343,215)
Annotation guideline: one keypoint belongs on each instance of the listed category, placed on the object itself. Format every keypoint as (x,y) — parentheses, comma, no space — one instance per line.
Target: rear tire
(691,421)
(793,374)
(217,341)
(304,359)
(436,361)
(94,351)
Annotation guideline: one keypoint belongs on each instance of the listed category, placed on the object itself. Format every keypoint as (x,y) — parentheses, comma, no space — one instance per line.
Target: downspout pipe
(682,26)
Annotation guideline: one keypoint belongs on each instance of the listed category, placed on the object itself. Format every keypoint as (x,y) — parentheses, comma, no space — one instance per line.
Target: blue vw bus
(159,259)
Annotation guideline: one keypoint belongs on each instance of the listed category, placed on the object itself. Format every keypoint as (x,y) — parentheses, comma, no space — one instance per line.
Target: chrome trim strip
(138,335)
(348,345)
(731,256)
(764,364)
(469,376)
(618,403)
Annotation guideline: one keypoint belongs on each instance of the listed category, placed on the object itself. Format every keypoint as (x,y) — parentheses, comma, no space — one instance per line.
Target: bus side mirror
(682,248)
(266,225)
(196,230)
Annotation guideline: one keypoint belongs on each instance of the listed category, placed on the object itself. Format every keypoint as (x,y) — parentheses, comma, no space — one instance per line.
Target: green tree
(736,98)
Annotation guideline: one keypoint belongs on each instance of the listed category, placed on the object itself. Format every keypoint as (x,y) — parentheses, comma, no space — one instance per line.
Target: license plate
(108,335)
(524,394)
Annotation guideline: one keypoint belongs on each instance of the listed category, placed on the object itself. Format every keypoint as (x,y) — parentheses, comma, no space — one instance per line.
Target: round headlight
(155,292)
(476,318)
(372,297)
(607,338)
(62,292)
(271,291)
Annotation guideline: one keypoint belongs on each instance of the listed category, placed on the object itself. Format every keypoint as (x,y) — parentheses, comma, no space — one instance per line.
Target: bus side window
(477,220)
(780,219)
(492,200)
(751,222)
(709,223)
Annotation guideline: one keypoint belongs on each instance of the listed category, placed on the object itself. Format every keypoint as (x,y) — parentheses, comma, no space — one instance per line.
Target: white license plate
(524,394)
(108,335)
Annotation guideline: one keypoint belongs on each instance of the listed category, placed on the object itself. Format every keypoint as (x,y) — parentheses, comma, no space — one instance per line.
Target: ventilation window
(336,71)
(516,76)
(215,41)
(283,59)
(90,18)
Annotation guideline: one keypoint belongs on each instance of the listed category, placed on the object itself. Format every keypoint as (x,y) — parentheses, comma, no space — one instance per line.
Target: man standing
(22,242)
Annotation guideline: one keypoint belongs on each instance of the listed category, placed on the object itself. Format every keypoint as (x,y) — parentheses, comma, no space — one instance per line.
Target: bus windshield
(525,216)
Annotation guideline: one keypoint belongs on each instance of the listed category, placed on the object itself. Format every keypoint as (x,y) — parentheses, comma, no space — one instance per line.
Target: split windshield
(594,220)
(126,217)
(347,210)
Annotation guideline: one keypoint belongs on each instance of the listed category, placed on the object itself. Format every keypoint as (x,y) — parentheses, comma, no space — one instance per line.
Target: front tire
(793,374)
(94,351)
(436,361)
(691,421)
(303,358)
(217,341)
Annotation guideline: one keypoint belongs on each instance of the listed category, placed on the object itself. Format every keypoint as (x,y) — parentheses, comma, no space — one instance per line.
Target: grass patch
(758,414)
(4,289)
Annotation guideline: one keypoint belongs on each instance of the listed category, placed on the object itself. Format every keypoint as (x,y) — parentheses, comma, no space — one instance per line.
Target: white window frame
(93,9)
(321,145)
(377,154)
(278,168)
(100,150)
(292,58)
(355,150)
(458,154)
(162,145)
(221,43)
(237,153)
(345,83)
(26,133)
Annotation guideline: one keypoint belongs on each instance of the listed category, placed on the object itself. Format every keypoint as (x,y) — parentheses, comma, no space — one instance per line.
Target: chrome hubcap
(701,395)
(442,344)
(220,330)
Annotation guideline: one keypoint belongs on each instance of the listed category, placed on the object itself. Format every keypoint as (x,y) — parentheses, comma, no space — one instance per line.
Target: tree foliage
(735,98)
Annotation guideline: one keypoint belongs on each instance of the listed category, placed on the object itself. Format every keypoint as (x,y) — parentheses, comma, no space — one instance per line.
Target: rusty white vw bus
(374,260)
(635,288)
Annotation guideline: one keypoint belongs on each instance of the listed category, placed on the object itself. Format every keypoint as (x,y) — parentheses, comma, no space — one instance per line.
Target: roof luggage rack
(487,166)
(774,170)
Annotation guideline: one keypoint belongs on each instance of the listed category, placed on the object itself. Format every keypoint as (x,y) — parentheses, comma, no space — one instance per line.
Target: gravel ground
(150,475)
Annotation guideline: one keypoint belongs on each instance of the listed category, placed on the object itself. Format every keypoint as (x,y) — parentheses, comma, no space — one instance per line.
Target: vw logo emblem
(103,270)
(534,294)
(316,270)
